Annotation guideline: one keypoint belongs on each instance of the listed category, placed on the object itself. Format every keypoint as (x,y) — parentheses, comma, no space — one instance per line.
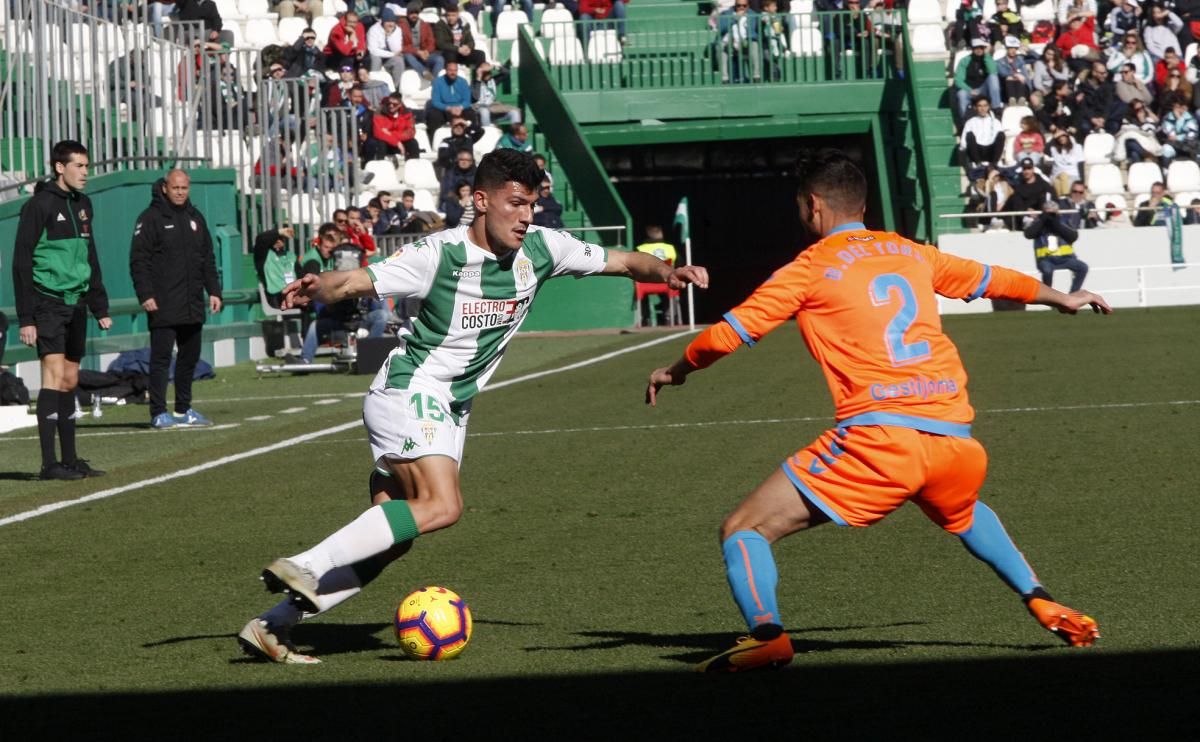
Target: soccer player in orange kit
(865,303)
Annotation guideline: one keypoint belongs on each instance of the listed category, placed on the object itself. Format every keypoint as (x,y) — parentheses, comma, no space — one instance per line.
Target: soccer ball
(433,623)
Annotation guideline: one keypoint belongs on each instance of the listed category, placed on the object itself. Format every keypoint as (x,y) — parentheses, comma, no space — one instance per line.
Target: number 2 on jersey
(902,353)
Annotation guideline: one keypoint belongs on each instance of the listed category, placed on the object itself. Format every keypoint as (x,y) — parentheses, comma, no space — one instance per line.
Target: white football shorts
(408,424)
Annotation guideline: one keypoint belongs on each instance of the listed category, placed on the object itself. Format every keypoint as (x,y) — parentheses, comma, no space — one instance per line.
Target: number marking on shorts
(426,407)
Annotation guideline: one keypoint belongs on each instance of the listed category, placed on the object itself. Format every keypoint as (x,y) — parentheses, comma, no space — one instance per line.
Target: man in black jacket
(55,274)
(1102,108)
(1054,246)
(172,263)
(206,11)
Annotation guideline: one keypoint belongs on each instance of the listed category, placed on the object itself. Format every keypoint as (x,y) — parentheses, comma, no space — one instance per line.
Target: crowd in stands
(1094,98)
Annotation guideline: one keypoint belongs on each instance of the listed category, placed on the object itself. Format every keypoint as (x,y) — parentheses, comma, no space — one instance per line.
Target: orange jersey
(866,305)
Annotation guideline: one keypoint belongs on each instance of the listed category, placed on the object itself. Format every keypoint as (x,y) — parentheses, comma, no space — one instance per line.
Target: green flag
(681,219)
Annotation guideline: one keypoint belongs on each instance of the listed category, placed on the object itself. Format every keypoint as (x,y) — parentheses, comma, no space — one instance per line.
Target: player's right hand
(659,378)
(300,292)
(28,335)
(1080,299)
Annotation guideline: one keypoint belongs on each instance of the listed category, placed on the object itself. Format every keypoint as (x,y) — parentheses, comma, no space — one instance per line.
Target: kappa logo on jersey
(479,315)
(409,444)
(60,218)
(460,273)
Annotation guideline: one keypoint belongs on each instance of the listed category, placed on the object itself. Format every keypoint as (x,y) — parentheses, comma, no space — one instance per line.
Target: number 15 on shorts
(425,407)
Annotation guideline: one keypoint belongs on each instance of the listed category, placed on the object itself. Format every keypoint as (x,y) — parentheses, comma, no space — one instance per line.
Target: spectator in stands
(451,98)
(459,206)
(304,56)
(453,39)
(1051,69)
(366,10)
(1130,52)
(975,76)
(1138,135)
(969,23)
(1192,214)
(1130,86)
(359,233)
(540,161)
(1176,86)
(982,140)
(1100,108)
(1123,21)
(1069,9)
(485,98)
(344,315)
(462,172)
(338,94)
(475,8)
(1060,110)
(1077,210)
(347,43)
(1077,41)
(280,171)
(1030,190)
(325,165)
(205,11)
(1157,211)
(1066,161)
(1054,246)
(308,8)
(1014,71)
(775,37)
(1179,131)
(739,52)
(1161,31)
(420,50)
(463,135)
(374,91)
(160,9)
(517,138)
(1168,64)
(598,10)
(393,131)
(385,42)
(1029,139)
(272,264)
(547,211)
(1188,12)
(231,105)
(395,218)
(319,256)
(1006,22)
(129,78)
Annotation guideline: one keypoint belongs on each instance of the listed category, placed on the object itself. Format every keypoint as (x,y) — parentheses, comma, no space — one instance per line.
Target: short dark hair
(327,228)
(374,203)
(407,193)
(63,151)
(503,165)
(832,175)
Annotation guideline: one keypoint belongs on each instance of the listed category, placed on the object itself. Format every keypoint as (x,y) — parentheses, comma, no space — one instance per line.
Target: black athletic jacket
(171,260)
(54,253)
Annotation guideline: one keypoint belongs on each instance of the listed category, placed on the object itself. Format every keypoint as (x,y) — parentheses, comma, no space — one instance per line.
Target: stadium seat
(604,46)
(290,29)
(508,22)
(1187,198)
(928,39)
(385,176)
(260,33)
(807,42)
(228,10)
(952,7)
(235,29)
(440,135)
(958,57)
(1112,201)
(566,50)
(487,142)
(335,7)
(302,210)
(256,9)
(554,22)
(419,174)
(425,200)
(1189,53)
(1031,14)
(924,11)
(1183,175)
(1142,175)
(323,25)
(385,77)
(1098,147)
(1104,178)
(1011,119)
(431,16)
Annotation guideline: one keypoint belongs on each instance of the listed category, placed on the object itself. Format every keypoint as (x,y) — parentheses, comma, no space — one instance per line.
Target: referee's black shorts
(61,328)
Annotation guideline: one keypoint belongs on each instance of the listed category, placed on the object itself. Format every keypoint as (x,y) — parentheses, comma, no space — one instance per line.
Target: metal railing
(841,46)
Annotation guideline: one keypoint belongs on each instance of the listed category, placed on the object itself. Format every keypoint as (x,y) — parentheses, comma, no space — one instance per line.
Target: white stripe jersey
(472,304)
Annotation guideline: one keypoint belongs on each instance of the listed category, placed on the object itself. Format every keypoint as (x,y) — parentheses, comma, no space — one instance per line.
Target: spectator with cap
(420,50)
(303,56)
(1054,245)
(385,42)
(451,98)
(347,42)
(976,75)
(1030,189)
(982,139)
(338,93)
(1014,70)
(453,38)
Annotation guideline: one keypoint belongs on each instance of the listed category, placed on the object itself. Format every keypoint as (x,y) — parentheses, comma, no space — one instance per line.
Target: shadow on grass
(19,476)
(1084,694)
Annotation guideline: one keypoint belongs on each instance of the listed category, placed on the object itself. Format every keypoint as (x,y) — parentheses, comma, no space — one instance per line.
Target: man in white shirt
(982,138)
(385,42)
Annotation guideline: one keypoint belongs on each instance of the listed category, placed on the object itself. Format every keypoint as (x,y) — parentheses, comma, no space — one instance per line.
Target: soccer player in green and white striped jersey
(475,285)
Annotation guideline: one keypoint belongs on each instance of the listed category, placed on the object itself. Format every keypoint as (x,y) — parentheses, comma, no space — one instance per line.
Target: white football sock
(336,587)
(364,537)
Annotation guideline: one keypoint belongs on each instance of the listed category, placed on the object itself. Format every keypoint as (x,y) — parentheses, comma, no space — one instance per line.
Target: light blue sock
(750,567)
(987,540)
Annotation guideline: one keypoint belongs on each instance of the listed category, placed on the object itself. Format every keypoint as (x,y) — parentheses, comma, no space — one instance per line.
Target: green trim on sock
(400,518)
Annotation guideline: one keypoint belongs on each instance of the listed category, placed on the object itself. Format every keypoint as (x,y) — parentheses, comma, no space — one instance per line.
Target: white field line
(327,401)
(292,410)
(102,494)
(258,418)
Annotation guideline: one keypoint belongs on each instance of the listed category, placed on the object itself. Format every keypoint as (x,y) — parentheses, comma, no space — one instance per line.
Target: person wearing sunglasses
(740,53)
(304,55)
(1129,50)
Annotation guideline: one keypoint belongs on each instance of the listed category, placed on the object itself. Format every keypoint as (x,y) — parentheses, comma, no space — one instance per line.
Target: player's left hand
(105,322)
(661,377)
(1079,299)
(300,292)
(685,274)
(214,304)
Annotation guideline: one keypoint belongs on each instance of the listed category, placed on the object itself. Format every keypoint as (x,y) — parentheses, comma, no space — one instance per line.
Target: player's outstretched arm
(328,288)
(672,375)
(646,268)
(1071,303)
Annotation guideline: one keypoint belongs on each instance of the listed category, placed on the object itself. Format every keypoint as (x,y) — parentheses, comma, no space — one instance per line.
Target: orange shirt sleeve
(961,278)
(711,345)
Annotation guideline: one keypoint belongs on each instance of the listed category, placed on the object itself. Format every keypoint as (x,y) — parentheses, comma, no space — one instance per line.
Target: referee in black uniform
(56,278)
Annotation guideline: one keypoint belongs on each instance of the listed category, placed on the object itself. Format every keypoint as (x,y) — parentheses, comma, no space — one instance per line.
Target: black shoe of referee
(61,471)
(82,466)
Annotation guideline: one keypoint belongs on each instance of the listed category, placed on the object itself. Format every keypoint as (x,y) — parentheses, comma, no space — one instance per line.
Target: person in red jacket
(347,43)
(1080,31)
(1168,64)
(394,130)
(420,48)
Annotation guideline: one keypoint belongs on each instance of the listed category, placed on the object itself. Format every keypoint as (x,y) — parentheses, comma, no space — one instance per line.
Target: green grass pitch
(588,555)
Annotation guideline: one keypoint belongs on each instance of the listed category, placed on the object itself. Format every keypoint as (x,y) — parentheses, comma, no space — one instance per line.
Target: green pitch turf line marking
(102,494)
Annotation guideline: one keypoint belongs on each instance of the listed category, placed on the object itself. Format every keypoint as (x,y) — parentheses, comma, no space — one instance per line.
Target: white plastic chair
(419,174)
(1011,119)
(229,10)
(487,142)
(557,21)
(425,200)
(1098,148)
(928,39)
(604,46)
(385,176)
(1105,178)
(385,77)
(1183,176)
(323,25)
(507,23)
(807,42)
(924,11)
(1142,175)
(256,9)
(290,29)
(566,50)
(260,33)
(1112,201)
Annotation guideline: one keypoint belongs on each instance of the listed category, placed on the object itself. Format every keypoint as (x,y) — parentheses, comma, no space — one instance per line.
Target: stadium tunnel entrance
(742,202)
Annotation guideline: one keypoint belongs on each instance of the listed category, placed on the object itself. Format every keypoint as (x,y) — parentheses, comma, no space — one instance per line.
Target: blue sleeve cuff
(737,327)
(983,284)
